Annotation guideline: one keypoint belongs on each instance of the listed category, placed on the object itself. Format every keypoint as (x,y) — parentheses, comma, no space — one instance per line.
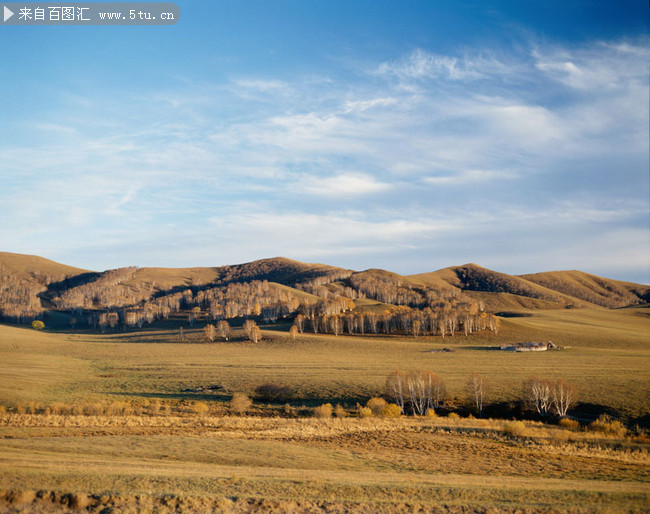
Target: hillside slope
(591,288)
(30,284)
(474,278)
(33,267)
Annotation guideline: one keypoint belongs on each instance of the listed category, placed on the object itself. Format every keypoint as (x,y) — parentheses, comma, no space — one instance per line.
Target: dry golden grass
(358,464)
(608,361)
(107,413)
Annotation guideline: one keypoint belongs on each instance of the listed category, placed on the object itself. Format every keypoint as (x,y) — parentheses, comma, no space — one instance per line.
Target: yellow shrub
(431,413)
(201,408)
(340,412)
(569,424)
(240,403)
(324,411)
(606,425)
(391,411)
(376,405)
(515,428)
(364,412)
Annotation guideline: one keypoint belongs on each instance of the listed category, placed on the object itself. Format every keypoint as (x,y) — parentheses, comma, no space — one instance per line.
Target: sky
(407,136)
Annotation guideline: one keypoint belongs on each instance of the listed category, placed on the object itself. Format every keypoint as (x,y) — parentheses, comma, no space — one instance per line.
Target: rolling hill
(45,284)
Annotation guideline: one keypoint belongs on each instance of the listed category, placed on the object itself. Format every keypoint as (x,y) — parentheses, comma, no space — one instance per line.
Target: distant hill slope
(36,268)
(473,278)
(591,288)
(49,281)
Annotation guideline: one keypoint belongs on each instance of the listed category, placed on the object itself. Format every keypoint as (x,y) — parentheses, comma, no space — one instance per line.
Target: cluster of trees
(547,396)
(19,300)
(419,392)
(109,290)
(444,321)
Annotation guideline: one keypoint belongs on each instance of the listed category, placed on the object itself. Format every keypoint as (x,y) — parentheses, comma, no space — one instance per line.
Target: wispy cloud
(344,185)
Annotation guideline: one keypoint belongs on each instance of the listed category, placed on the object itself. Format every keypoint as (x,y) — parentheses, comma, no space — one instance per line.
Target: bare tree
(210,332)
(255,334)
(563,396)
(396,387)
(419,387)
(224,329)
(476,387)
(538,395)
(248,327)
(300,323)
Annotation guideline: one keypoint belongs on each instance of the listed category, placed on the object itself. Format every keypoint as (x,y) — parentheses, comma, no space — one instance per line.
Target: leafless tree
(300,323)
(224,329)
(255,334)
(476,387)
(563,396)
(538,393)
(396,387)
(419,387)
(210,332)
(248,327)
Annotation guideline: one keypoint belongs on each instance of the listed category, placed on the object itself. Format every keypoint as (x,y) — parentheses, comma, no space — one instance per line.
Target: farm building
(528,346)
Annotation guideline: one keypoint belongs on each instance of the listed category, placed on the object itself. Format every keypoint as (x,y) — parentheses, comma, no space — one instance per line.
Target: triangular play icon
(8,13)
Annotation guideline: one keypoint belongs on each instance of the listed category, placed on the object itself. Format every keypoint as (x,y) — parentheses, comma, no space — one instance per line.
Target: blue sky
(408,136)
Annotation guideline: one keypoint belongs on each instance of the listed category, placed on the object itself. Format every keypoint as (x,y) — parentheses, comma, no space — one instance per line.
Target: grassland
(185,461)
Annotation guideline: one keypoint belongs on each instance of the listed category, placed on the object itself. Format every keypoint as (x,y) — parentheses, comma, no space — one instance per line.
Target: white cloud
(421,64)
(470,177)
(344,185)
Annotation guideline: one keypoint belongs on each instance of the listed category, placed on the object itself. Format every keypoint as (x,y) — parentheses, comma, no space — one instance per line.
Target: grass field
(230,463)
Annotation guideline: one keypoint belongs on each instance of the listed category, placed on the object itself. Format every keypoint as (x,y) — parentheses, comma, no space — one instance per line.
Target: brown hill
(472,278)
(591,288)
(33,280)
(33,267)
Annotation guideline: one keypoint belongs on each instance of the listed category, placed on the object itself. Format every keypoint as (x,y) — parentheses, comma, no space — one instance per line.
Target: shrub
(38,324)
(240,403)
(289,410)
(364,412)
(201,408)
(606,425)
(569,424)
(3,410)
(324,411)
(376,405)
(391,411)
(430,413)
(340,412)
(453,416)
(274,393)
(514,428)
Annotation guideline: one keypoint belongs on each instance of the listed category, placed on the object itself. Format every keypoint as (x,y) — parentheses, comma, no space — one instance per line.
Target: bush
(376,405)
(515,428)
(569,424)
(273,393)
(240,403)
(201,408)
(38,324)
(364,412)
(453,416)
(430,413)
(340,412)
(606,425)
(324,411)
(391,411)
